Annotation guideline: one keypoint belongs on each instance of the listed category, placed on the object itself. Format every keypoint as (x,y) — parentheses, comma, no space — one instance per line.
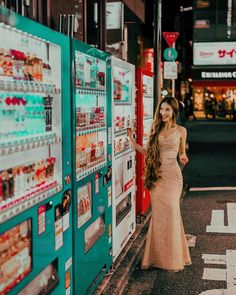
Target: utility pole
(157,50)
(102,33)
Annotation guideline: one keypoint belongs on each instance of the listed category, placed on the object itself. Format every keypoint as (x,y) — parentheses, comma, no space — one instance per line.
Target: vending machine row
(67,171)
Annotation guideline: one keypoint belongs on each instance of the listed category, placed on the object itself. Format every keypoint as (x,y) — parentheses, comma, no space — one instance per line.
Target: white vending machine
(123,156)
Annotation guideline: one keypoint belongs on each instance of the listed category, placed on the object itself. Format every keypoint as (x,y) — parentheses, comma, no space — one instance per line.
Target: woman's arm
(135,145)
(138,147)
(182,146)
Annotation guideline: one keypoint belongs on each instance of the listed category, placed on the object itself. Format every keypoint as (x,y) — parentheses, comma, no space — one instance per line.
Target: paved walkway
(213,257)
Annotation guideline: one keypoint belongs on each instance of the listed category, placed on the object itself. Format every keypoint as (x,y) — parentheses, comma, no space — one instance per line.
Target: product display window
(91,130)
(30,120)
(15,255)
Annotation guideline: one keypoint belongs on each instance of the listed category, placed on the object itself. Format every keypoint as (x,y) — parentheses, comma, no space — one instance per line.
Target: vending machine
(144,82)
(92,168)
(123,156)
(35,159)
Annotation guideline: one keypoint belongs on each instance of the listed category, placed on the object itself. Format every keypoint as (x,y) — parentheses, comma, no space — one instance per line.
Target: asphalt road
(212,152)
(196,212)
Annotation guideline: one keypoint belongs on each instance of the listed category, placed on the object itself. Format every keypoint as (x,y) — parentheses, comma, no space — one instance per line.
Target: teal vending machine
(35,159)
(92,172)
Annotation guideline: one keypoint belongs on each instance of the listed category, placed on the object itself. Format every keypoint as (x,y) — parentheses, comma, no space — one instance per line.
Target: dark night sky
(172,18)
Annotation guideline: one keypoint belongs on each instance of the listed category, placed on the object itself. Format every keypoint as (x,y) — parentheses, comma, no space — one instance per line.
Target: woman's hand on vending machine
(134,144)
(130,136)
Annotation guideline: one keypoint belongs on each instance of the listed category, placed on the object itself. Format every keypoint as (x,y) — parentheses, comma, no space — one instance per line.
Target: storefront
(214,80)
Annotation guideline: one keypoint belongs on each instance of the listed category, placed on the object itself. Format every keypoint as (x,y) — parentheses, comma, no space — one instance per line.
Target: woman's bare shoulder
(182,129)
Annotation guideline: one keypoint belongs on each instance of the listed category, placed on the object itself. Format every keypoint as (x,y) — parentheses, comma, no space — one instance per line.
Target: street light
(183,9)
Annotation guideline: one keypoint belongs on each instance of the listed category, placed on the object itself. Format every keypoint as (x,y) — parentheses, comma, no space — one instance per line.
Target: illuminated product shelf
(90,129)
(148,117)
(9,84)
(123,152)
(14,206)
(121,132)
(117,102)
(28,143)
(147,96)
(92,91)
(90,168)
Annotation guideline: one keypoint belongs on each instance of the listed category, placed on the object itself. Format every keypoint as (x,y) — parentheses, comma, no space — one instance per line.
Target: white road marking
(217,292)
(214,259)
(231,258)
(221,229)
(214,274)
(228,274)
(217,220)
(217,217)
(231,212)
(213,188)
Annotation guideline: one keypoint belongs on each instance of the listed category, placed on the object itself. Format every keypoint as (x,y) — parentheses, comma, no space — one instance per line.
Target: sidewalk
(116,280)
(211,217)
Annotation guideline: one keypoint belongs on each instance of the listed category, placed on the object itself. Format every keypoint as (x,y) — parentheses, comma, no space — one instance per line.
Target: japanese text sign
(217,53)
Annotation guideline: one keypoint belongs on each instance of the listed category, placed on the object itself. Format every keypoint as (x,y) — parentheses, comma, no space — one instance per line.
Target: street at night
(215,272)
(212,167)
(118,147)
(212,147)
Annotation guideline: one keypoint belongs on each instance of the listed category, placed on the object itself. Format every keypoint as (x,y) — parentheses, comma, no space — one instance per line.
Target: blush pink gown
(166,245)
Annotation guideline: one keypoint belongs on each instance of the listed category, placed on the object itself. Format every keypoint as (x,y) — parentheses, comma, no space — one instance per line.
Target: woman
(166,245)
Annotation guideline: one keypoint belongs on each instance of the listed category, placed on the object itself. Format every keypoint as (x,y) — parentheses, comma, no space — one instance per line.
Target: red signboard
(170,37)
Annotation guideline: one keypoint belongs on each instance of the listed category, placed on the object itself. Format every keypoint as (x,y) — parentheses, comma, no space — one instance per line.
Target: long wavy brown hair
(152,160)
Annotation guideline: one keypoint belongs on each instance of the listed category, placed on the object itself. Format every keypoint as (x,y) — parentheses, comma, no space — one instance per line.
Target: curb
(116,280)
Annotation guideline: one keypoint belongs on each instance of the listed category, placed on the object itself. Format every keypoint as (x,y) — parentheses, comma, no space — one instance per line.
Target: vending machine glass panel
(15,255)
(122,84)
(94,232)
(84,205)
(44,283)
(90,110)
(123,193)
(30,120)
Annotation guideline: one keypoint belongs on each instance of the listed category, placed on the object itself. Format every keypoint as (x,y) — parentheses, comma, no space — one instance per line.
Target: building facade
(111,25)
(214,58)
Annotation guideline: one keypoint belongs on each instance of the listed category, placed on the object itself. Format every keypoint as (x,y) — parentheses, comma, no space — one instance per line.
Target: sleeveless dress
(166,245)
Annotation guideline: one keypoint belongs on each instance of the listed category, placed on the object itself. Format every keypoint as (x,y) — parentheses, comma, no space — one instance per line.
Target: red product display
(15,255)
(19,180)
(144,96)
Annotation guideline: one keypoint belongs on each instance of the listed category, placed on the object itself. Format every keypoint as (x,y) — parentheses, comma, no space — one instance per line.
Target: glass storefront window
(215,102)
